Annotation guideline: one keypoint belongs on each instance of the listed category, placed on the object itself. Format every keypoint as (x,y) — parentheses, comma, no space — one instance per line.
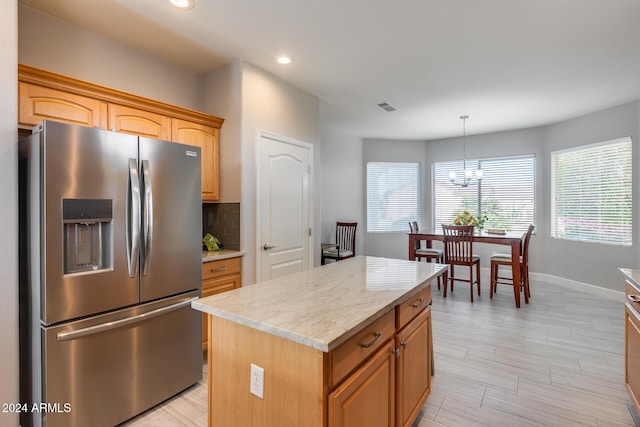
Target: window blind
(393,195)
(506,193)
(591,198)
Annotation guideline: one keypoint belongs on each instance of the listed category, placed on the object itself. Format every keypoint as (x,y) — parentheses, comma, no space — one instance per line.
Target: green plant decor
(465,218)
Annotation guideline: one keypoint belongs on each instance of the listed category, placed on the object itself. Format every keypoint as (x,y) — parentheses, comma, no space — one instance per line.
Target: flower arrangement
(465,218)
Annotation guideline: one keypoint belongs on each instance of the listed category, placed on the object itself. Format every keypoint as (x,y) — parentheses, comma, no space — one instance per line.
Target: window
(591,193)
(506,193)
(393,195)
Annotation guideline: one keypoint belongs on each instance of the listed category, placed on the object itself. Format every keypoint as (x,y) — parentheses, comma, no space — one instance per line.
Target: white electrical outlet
(257,381)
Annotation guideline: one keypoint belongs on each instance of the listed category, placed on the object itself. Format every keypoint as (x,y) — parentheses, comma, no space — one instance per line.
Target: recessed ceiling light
(283,60)
(183,4)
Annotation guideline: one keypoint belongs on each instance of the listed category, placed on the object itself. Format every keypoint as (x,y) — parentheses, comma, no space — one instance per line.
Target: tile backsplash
(222,220)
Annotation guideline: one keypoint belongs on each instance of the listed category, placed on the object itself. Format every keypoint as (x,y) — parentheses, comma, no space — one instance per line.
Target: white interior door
(285,217)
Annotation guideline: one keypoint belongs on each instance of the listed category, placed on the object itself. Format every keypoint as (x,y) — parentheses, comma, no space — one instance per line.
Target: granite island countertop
(324,306)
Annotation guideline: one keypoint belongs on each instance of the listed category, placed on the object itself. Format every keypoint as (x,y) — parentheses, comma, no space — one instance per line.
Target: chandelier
(469,174)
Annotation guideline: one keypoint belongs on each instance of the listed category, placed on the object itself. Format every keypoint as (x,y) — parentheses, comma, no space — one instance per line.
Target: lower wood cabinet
(413,368)
(217,277)
(367,397)
(632,345)
(360,399)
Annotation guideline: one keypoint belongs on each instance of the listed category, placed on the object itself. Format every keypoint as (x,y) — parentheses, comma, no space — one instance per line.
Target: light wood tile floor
(558,361)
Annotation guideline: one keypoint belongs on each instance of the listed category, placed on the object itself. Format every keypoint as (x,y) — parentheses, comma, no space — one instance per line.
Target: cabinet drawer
(633,296)
(223,284)
(412,307)
(352,352)
(219,268)
(213,287)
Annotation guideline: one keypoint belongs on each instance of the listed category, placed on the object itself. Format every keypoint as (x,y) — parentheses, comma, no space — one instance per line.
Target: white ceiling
(508,64)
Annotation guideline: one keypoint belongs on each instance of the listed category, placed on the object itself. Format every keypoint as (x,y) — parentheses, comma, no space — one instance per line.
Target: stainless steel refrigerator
(110,259)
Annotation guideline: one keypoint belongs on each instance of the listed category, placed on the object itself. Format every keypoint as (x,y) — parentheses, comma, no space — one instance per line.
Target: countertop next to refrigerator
(223,254)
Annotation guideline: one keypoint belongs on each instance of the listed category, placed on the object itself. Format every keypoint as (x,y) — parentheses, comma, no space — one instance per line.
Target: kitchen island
(345,344)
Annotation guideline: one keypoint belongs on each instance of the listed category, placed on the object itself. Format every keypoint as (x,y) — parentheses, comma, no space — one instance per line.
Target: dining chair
(428,254)
(346,243)
(498,259)
(458,250)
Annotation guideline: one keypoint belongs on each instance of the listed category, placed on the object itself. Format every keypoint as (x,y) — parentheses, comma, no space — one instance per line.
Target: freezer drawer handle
(71,335)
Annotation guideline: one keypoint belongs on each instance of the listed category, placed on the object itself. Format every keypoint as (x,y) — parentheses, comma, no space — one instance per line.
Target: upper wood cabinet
(207,138)
(38,103)
(44,95)
(139,122)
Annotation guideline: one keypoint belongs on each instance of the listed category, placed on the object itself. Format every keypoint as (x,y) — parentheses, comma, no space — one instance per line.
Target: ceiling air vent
(386,107)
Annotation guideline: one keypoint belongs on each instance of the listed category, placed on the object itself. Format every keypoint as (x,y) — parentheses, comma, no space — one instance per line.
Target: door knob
(267,247)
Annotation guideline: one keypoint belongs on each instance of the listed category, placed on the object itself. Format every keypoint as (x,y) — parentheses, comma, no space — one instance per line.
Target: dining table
(509,238)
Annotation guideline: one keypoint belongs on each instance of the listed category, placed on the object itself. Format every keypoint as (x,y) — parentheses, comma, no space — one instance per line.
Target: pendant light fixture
(469,174)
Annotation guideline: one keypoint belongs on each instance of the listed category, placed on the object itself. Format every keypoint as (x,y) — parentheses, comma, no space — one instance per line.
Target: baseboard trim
(567,283)
(579,286)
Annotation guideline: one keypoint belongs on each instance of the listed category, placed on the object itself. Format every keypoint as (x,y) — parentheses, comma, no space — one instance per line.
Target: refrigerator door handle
(147,218)
(92,330)
(132,222)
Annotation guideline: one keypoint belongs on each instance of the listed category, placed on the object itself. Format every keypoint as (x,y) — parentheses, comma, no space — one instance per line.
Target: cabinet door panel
(632,355)
(207,138)
(213,287)
(367,397)
(413,368)
(139,122)
(38,103)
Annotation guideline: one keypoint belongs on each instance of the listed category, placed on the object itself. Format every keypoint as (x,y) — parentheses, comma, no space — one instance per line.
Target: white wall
(8,208)
(594,264)
(510,143)
(591,263)
(247,97)
(341,185)
(63,48)
(392,244)
(221,96)
(273,105)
